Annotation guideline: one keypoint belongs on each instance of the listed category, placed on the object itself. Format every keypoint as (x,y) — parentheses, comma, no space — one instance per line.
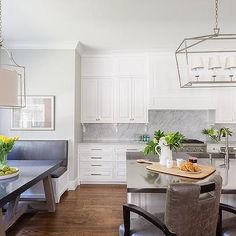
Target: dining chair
(191,210)
(228,225)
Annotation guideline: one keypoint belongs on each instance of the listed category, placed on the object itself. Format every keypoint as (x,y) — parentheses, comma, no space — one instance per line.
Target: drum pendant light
(12,77)
(207,61)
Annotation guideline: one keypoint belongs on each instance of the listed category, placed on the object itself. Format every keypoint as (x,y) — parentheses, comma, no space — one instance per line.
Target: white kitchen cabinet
(131,65)
(97,66)
(97,101)
(96,163)
(120,154)
(123,100)
(165,91)
(131,100)
(114,88)
(104,163)
(226,106)
(89,101)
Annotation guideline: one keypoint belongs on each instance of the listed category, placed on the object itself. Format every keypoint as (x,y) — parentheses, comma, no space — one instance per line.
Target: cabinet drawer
(96,166)
(96,175)
(96,149)
(96,157)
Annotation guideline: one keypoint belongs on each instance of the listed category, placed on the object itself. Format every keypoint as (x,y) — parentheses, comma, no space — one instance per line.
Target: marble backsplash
(190,123)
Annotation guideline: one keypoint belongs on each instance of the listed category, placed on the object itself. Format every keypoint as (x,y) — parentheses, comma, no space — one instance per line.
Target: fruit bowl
(8,172)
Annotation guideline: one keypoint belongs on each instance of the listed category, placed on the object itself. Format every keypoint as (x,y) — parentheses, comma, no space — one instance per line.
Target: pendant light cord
(216,29)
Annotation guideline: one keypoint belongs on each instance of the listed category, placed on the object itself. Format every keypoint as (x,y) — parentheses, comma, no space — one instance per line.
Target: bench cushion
(42,150)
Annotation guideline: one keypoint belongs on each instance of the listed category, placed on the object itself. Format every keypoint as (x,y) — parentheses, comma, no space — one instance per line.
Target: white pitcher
(166,153)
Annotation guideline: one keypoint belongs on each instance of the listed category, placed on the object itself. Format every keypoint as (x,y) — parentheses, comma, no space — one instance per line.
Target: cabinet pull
(96,158)
(131,149)
(96,174)
(96,165)
(96,149)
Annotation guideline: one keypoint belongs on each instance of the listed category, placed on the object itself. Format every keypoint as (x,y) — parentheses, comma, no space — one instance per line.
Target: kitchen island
(147,189)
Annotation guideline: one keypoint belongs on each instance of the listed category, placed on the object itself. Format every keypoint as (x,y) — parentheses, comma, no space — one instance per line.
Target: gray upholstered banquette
(42,150)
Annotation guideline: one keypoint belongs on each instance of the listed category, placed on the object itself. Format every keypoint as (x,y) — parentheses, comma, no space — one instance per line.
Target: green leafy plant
(216,134)
(173,140)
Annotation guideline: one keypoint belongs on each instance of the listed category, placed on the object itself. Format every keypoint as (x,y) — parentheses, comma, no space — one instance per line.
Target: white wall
(50,72)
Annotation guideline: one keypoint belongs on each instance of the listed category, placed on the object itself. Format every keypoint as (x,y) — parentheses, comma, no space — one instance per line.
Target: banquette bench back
(41,150)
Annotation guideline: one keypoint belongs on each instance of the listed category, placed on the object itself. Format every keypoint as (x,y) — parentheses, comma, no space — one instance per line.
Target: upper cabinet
(226,106)
(131,87)
(164,88)
(131,65)
(97,66)
(114,89)
(131,100)
(97,101)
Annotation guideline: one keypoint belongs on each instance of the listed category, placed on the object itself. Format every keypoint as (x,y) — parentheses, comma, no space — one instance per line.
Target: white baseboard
(73,184)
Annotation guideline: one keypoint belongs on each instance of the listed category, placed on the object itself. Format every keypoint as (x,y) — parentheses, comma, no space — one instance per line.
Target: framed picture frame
(38,114)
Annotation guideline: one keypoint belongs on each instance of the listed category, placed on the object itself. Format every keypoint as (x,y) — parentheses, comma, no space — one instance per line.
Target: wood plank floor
(92,210)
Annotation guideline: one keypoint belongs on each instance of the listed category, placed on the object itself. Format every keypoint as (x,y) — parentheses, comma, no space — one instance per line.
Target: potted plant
(163,144)
(6,145)
(215,134)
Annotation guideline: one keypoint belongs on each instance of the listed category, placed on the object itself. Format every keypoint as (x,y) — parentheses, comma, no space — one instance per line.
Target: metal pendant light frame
(190,47)
(13,66)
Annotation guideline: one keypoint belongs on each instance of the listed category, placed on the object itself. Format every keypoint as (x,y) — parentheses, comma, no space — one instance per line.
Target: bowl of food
(8,172)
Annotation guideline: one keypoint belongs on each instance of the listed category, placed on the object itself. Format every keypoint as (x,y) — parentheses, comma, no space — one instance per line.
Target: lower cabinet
(104,163)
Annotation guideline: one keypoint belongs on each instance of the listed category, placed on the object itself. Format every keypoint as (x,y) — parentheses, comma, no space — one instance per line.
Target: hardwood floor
(92,210)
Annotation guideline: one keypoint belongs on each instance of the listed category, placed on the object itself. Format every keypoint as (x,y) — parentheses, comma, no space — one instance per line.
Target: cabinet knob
(131,118)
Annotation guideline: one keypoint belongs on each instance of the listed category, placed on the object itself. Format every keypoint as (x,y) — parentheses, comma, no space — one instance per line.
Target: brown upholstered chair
(228,226)
(191,210)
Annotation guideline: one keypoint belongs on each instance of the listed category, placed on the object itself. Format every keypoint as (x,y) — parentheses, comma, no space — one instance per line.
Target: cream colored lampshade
(197,63)
(230,62)
(8,88)
(214,63)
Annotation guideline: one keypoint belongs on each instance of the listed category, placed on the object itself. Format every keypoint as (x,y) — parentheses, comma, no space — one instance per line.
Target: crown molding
(42,45)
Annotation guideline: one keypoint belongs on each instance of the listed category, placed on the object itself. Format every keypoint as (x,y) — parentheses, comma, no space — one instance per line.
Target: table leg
(49,194)
(2,225)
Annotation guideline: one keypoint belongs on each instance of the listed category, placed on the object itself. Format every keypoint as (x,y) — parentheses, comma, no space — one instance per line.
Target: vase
(3,160)
(165,154)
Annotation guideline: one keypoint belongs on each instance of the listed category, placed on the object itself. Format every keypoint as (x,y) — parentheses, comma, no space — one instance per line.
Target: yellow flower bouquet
(6,145)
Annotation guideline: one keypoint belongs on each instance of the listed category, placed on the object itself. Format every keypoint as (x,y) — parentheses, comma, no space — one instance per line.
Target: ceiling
(112,24)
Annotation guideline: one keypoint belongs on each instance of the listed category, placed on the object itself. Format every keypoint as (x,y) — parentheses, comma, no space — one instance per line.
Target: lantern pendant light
(12,77)
(207,61)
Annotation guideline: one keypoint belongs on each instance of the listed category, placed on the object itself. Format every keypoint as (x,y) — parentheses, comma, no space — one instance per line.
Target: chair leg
(126,215)
(219,224)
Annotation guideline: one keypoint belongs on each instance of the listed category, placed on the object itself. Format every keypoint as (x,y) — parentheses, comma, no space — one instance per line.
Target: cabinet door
(123,107)
(139,98)
(89,88)
(131,65)
(96,66)
(225,107)
(105,100)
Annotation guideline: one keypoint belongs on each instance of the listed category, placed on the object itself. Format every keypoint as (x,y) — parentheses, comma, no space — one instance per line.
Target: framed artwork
(37,115)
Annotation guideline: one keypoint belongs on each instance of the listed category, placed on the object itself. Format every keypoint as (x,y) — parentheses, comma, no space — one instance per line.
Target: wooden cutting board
(205,171)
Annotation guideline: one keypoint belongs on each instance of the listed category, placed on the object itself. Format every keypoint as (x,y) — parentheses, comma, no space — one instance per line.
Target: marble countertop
(130,142)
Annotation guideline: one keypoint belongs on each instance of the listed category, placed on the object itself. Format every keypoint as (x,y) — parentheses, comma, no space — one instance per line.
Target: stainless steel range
(193,146)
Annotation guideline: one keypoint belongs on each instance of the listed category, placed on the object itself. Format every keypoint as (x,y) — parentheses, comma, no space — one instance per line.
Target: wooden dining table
(30,173)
